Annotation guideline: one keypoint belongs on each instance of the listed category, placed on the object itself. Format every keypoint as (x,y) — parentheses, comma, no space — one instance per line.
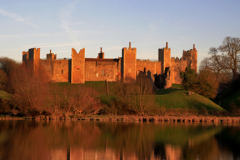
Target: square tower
(129,63)
(164,56)
(78,66)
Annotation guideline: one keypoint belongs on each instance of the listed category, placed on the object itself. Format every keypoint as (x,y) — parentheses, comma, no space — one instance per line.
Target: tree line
(33,94)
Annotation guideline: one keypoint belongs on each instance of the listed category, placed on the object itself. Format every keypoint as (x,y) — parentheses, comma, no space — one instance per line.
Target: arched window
(102,72)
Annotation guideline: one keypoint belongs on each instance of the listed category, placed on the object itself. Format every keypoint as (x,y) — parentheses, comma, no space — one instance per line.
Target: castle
(79,69)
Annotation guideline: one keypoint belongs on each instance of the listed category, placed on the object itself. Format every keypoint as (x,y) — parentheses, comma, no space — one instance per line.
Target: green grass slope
(4,95)
(168,98)
(178,98)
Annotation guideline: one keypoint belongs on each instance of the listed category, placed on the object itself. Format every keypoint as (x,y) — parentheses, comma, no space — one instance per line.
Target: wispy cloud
(16,17)
(49,45)
(65,15)
(21,35)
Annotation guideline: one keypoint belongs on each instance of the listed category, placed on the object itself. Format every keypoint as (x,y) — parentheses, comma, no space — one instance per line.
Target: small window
(96,74)
(87,75)
(78,69)
(62,71)
(107,75)
(102,72)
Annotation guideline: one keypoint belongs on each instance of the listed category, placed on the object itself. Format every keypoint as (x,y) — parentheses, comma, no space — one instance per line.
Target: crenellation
(25,56)
(78,69)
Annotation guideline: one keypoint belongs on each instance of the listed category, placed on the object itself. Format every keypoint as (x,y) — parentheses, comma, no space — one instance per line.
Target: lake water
(79,140)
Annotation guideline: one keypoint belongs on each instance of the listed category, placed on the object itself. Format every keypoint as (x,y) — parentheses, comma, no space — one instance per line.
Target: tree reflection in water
(69,140)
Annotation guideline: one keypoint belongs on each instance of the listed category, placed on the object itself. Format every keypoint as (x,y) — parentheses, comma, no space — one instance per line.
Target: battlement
(101,54)
(79,69)
(189,53)
(176,59)
(165,48)
(51,56)
(146,60)
(25,56)
(74,52)
(129,48)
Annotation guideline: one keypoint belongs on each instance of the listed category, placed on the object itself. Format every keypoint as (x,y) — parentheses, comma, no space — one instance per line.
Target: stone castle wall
(102,69)
(78,66)
(153,67)
(129,63)
(79,69)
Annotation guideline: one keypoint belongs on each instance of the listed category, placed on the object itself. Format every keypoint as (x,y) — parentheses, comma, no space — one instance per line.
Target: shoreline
(127,118)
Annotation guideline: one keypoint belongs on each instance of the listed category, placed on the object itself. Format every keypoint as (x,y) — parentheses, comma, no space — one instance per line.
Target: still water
(69,140)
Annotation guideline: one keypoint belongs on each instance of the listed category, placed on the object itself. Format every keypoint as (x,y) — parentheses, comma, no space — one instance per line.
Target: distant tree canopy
(204,83)
(224,60)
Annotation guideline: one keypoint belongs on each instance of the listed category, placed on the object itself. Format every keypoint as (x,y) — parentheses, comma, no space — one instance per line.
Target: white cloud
(65,15)
(49,45)
(16,17)
(24,35)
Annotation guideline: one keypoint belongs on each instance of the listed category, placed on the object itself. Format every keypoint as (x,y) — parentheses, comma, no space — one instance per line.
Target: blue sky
(60,25)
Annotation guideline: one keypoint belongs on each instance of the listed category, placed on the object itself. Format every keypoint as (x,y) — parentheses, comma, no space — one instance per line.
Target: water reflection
(29,140)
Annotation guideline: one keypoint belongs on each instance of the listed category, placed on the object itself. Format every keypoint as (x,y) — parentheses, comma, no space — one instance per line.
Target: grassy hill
(168,98)
(175,100)
(4,95)
(178,98)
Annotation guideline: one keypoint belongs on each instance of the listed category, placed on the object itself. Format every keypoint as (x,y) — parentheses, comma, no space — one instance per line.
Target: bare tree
(29,88)
(231,48)
(55,100)
(7,65)
(140,99)
(224,59)
(82,100)
(3,79)
(216,63)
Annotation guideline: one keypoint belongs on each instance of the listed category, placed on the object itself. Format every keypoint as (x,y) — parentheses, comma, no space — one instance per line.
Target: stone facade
(79,69)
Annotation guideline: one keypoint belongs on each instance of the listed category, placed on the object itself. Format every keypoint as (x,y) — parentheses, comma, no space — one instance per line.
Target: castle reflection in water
(69,140)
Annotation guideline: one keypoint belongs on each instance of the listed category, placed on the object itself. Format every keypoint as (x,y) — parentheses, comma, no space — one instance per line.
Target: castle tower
(164,56)
(101,54)
(194,58)
(129,63)
(78,66)
(34,55)
(25,56)
(51,56)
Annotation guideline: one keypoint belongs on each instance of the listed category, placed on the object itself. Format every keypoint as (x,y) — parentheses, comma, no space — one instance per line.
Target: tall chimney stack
(166,45)
(129,44)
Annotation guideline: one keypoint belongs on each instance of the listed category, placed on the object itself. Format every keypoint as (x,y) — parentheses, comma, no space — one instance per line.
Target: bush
(135,95)
(28,88)
(78,100)
(4,105)
(204,83)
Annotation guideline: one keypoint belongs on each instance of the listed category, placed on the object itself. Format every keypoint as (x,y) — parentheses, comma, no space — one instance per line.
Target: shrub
(204,83)
(28,88)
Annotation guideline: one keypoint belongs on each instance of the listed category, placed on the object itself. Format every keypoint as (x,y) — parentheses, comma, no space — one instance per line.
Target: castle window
(78,69)
(96,74)
(102,72)
(62,71)
(108,75)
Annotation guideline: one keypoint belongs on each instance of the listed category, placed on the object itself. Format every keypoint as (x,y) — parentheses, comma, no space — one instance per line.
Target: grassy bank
(173,101)
(178,98)
(4,95)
